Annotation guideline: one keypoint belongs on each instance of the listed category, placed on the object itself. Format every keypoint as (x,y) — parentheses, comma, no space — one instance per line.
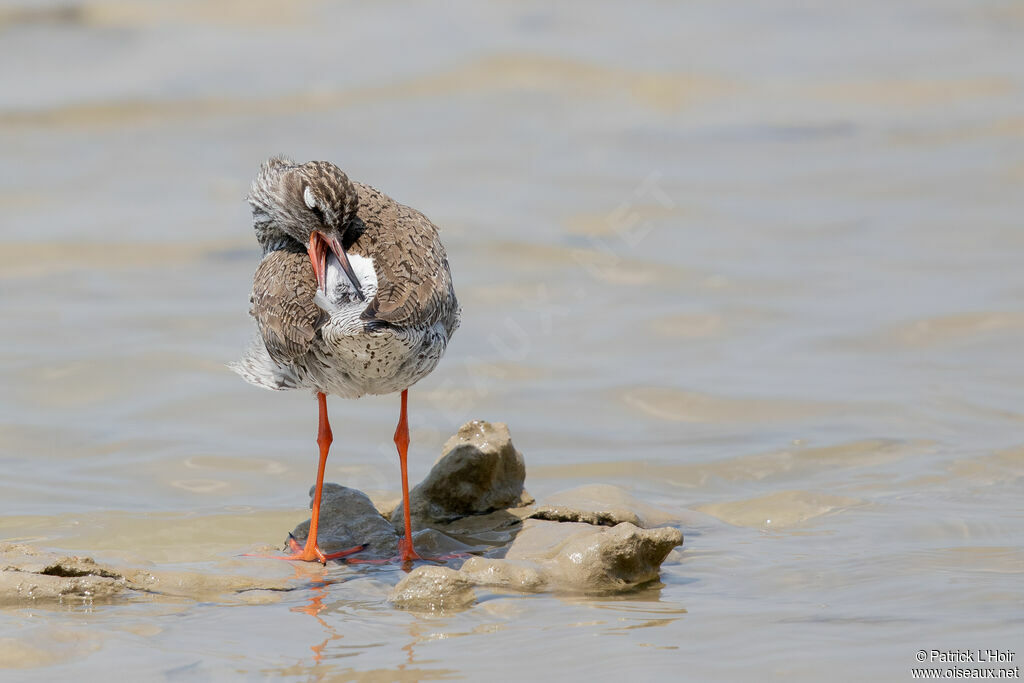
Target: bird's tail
(257,367)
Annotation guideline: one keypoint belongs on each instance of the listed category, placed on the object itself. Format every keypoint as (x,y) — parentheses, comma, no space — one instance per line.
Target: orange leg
(405,549)
(406,552)
(311,551)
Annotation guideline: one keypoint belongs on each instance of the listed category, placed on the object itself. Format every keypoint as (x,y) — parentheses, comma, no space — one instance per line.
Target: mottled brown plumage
(282,304)
(414,283)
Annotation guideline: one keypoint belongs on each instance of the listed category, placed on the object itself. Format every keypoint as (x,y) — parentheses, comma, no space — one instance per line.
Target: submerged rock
(348,518)
(778,510)
(485,532)
(479,471)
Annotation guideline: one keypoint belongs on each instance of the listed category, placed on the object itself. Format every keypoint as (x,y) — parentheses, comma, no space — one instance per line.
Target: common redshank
(353,296)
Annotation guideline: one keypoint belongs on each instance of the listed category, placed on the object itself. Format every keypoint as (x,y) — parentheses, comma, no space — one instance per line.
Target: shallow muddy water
(758,264)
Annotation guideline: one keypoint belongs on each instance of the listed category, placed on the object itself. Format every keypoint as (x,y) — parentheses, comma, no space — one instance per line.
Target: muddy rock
(28,575)
(431,588)
(348,518)
(590,539)
(479,471)
(577,557)
(203,586)
(600,504)
(567,557)
(521,576)
(600,559)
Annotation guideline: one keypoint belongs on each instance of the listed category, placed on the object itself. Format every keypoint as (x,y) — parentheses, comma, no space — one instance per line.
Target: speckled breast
(379,362)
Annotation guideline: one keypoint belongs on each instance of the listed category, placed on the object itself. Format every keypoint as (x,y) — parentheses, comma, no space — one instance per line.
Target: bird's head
(311,205)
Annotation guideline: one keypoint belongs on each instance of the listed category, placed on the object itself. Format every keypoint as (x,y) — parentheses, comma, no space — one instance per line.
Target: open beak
(318,246)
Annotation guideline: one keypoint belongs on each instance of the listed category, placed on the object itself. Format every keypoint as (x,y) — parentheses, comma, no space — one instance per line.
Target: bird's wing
(282,304)
(414,282)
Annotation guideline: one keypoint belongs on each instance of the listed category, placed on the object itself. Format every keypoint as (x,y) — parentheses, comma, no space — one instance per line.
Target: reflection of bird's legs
(313,609)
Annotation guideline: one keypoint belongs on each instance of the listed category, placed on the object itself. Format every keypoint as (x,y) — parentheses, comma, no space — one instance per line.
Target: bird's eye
(307,196)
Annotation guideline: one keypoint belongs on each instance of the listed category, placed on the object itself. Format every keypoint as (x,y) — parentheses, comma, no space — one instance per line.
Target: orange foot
(405,550)
(310,552)
(407,555)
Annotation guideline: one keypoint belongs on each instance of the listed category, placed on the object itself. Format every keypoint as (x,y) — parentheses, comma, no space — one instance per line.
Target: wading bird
(353,296)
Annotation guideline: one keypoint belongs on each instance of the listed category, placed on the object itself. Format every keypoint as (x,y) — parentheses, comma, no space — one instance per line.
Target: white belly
(353,361)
